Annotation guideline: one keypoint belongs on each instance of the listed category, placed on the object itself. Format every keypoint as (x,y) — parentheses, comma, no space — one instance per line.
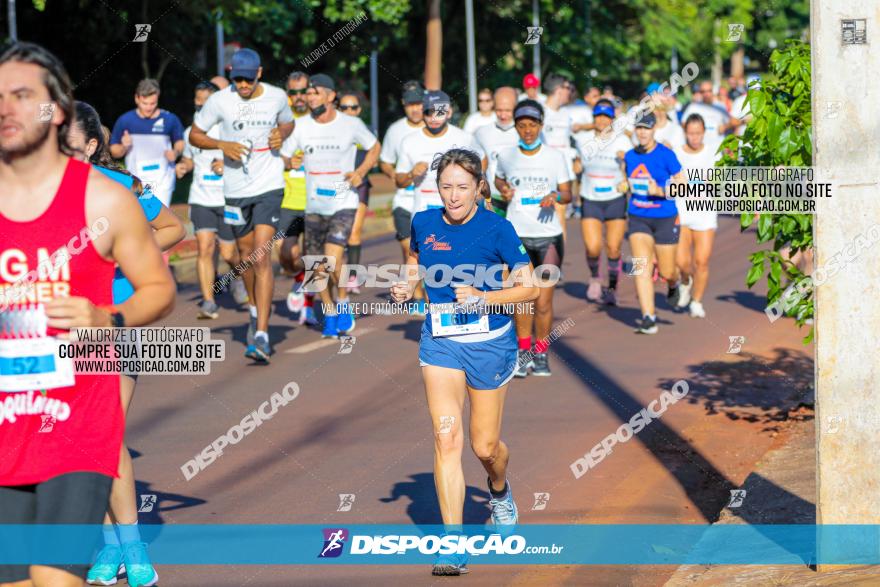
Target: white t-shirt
(251,120)
(670,135)
(477,120)
(714,116)
(706,158)
(542,98)
(532,177)
(740,109)
(602,172)
(580,114)
(207,186)
(329,151)
(403,197)
(421,147)
(557,130)
(492,140)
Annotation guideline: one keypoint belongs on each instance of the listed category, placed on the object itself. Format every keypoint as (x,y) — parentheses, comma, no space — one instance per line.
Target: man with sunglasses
(718,121)
(484,115)
(293,207)
(254,120)
(418,151)
(329,143)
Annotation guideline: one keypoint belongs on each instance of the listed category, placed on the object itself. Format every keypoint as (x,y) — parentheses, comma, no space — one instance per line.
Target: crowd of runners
(288,167)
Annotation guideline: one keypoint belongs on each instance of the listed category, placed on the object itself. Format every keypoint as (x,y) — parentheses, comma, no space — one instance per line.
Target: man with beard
(52,203)
(254,120)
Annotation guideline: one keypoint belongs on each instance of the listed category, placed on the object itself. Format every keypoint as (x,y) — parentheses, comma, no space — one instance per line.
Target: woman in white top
(697,228)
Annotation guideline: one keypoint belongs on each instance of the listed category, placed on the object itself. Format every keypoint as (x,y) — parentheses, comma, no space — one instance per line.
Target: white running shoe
(352,285)
(594,291)
(296,299)
(697,310)
(684,293)
(239,292)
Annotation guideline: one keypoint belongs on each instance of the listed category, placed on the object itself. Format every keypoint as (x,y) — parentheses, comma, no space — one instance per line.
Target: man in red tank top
(63,226)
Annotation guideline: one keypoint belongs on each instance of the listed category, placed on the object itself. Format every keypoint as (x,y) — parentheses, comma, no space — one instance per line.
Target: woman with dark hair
(122,543)
(350,103)
(465,347)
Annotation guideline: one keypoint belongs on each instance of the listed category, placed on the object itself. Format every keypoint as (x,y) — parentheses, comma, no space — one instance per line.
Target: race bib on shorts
(33,363)
(233,215)
(452,320)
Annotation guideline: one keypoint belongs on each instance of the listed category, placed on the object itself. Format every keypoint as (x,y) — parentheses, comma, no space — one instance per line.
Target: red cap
(531,81)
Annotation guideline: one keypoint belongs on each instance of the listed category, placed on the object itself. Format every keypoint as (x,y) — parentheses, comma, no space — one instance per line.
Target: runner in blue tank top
(464,248)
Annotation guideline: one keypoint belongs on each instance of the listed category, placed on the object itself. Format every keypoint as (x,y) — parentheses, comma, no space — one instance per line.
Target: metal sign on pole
(471,56)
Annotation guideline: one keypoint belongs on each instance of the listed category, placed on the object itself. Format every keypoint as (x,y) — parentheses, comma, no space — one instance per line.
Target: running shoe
(208,310)
(541,365)
(307,316)
(330,327)
(450,565)
(345,322)
(673,295)
(296,300)
(523,363)
(239,292)
(419,308)
(251,351)
(609,296)
(697,310)
(107,566)
(137,565)
(352,285)
(594,291)
(504,512)
(684,296)
(262,349)
(646,325)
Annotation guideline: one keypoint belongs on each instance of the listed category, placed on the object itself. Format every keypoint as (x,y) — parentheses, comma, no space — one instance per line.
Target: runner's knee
(486,450)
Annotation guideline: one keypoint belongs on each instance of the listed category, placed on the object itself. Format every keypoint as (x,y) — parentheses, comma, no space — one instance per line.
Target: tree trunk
(737,62)
(434,47)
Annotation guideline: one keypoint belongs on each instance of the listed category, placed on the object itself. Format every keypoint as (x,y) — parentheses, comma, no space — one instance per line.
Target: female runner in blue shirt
(122,539)
(472,353)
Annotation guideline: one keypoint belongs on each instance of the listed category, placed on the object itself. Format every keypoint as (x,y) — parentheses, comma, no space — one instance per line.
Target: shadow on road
(746,299)
(706,486)
(423,508)
(752,388)
(152,503)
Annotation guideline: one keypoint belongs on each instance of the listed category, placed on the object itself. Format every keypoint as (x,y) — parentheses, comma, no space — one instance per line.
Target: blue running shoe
(330,327)
(138,568)
(252,328)
(450,565)
(345,322)
(504,512)
(107,566)
(262,350)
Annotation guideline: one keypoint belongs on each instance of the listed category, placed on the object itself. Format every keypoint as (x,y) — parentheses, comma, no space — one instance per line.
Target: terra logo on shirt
(437,245)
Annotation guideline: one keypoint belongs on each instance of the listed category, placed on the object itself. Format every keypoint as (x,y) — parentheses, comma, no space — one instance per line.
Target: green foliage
(780,133)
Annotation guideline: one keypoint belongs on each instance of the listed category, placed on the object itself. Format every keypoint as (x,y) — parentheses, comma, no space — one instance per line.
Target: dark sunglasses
(433,112)
(345,107)
(296,92)
(239,79)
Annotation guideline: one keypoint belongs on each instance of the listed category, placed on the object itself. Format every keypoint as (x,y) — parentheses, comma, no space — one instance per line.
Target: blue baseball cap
(653,87)
(603,110)
(245,63)
(434,98)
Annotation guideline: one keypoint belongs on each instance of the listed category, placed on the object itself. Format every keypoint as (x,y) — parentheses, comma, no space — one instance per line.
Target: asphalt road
(360,425)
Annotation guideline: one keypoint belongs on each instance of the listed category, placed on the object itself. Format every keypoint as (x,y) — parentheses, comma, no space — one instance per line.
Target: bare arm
(168,229)
(118,151)
(387,169)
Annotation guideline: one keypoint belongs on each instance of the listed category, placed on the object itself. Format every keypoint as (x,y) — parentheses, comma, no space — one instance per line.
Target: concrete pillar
(846,121)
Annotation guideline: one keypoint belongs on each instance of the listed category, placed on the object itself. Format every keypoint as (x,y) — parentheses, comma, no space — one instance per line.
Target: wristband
(559,197)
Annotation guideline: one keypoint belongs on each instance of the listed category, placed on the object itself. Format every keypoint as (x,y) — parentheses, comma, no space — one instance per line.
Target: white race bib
(639,186)
(151,170)
(445,321)
(33,364)
(233,215)
(211,181)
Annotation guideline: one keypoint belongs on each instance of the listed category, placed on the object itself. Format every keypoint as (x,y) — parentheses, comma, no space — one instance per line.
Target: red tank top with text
(55,428)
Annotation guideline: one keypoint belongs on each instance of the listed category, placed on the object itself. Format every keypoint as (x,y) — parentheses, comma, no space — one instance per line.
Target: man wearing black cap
(329,143)
(418,150)
(254,120)
(402,204)
(653,226)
